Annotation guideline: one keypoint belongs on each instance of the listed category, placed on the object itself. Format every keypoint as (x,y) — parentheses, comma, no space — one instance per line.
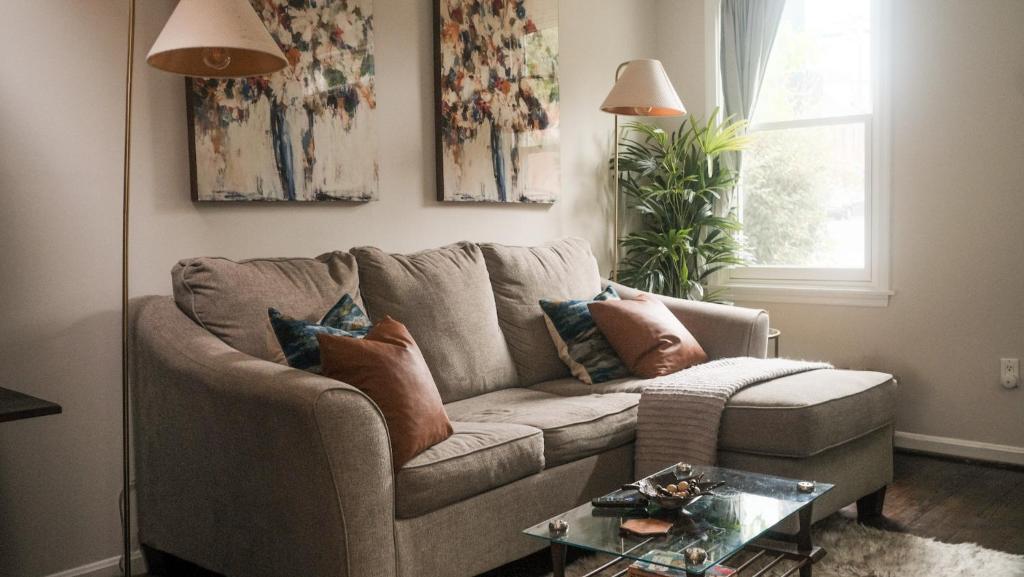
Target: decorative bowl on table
(671,493)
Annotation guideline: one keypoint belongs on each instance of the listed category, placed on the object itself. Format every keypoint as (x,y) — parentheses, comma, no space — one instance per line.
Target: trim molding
(820,295)
(960,448)
(104,568)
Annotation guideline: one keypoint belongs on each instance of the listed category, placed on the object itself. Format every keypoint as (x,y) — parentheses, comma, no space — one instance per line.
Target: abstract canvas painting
(304,134)
(497,100)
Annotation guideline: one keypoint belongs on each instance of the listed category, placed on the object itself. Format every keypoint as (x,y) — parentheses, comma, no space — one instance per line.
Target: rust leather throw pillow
(647,336)
(388,366)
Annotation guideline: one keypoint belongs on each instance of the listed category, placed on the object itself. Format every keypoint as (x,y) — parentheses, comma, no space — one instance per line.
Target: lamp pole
(616,226)
(126,493)
(210,39)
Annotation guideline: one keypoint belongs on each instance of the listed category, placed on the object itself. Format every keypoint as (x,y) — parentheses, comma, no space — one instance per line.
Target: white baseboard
(105,568)
(960,448)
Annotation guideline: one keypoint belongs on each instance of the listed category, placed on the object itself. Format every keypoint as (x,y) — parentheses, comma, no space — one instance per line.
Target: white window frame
(868,286)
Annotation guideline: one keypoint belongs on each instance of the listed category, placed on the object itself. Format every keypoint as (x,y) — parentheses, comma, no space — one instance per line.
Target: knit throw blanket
(679,414)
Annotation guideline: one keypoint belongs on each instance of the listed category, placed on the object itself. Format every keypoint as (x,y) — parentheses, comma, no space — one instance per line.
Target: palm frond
(673,180)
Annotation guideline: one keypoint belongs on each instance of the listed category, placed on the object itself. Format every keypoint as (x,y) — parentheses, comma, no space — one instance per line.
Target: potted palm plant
(678,183)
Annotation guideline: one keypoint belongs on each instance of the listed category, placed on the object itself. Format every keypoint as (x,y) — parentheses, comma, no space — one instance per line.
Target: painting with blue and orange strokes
(497,100)
(304,134)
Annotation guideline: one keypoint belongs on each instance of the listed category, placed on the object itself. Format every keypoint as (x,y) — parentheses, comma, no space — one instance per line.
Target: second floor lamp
(642,88)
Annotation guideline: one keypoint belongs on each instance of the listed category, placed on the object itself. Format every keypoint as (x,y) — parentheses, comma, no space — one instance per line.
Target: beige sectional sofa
(250,468)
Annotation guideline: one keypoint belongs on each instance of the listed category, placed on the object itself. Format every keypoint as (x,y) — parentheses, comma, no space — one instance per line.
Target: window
(813,193)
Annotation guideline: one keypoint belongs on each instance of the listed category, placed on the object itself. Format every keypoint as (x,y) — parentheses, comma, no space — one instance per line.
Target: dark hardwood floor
(951,501)
(956,502)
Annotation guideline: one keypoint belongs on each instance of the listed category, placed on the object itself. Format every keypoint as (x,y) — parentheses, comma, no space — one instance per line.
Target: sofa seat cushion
(574,427)
(478,457)
(444,297)
(807,413)
(574,387)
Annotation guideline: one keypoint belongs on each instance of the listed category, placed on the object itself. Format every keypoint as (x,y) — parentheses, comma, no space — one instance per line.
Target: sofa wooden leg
(156,561)
(869,507)
(160,564)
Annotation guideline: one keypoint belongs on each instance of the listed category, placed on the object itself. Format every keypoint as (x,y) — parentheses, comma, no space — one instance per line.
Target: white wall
(957,218)
(680,36)
(60,131)
(958,95)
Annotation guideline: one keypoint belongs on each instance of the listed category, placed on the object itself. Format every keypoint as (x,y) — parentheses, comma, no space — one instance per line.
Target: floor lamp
(642,88)
(210,39)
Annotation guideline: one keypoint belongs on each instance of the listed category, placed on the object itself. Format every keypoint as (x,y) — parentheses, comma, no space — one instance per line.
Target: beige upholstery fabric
(477,458)
(722,331)
(857,468)
(443,296)
(520,277)
(571,387)
(230,299)
(318,497)
(804,414)
(484,532)
(247,467)
(795,416)
(574,427)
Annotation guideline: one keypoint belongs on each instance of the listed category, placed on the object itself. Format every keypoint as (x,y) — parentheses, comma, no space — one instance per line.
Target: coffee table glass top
(742,510)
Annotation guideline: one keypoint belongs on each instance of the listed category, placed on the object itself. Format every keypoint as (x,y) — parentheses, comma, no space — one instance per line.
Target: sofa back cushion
(230,299)
(521,277)
(444,298)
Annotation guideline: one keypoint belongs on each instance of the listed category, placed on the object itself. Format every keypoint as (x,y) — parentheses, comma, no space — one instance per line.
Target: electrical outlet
(1010,372)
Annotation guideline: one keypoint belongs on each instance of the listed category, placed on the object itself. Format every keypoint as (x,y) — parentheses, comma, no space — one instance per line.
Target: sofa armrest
(248,467)
(723,331)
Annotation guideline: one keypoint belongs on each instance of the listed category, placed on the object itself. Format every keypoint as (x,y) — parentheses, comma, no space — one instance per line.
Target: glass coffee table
(730,525)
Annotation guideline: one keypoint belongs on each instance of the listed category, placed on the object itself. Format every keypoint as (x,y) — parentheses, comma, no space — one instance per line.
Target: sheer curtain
(748,32)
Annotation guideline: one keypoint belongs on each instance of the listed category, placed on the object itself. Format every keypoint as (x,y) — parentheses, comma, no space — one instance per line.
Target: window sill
(805,294)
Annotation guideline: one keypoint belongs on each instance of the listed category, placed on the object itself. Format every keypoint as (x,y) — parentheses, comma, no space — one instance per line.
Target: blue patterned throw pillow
(298,337)
(581,345)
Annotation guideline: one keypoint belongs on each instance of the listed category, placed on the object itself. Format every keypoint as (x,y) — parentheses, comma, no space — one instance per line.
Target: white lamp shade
(643,89)
(216,39)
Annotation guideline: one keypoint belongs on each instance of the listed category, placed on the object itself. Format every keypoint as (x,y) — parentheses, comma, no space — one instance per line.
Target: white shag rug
(858,551)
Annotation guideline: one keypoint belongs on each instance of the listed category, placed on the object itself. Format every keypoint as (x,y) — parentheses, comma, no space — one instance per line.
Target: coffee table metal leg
(803,538)
(558,551)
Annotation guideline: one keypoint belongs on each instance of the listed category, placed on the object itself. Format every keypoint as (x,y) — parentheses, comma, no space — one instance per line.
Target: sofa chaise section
(831,425)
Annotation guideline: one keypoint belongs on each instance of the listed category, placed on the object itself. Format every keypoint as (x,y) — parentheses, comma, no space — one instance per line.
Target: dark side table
(15,406)
(773,337)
